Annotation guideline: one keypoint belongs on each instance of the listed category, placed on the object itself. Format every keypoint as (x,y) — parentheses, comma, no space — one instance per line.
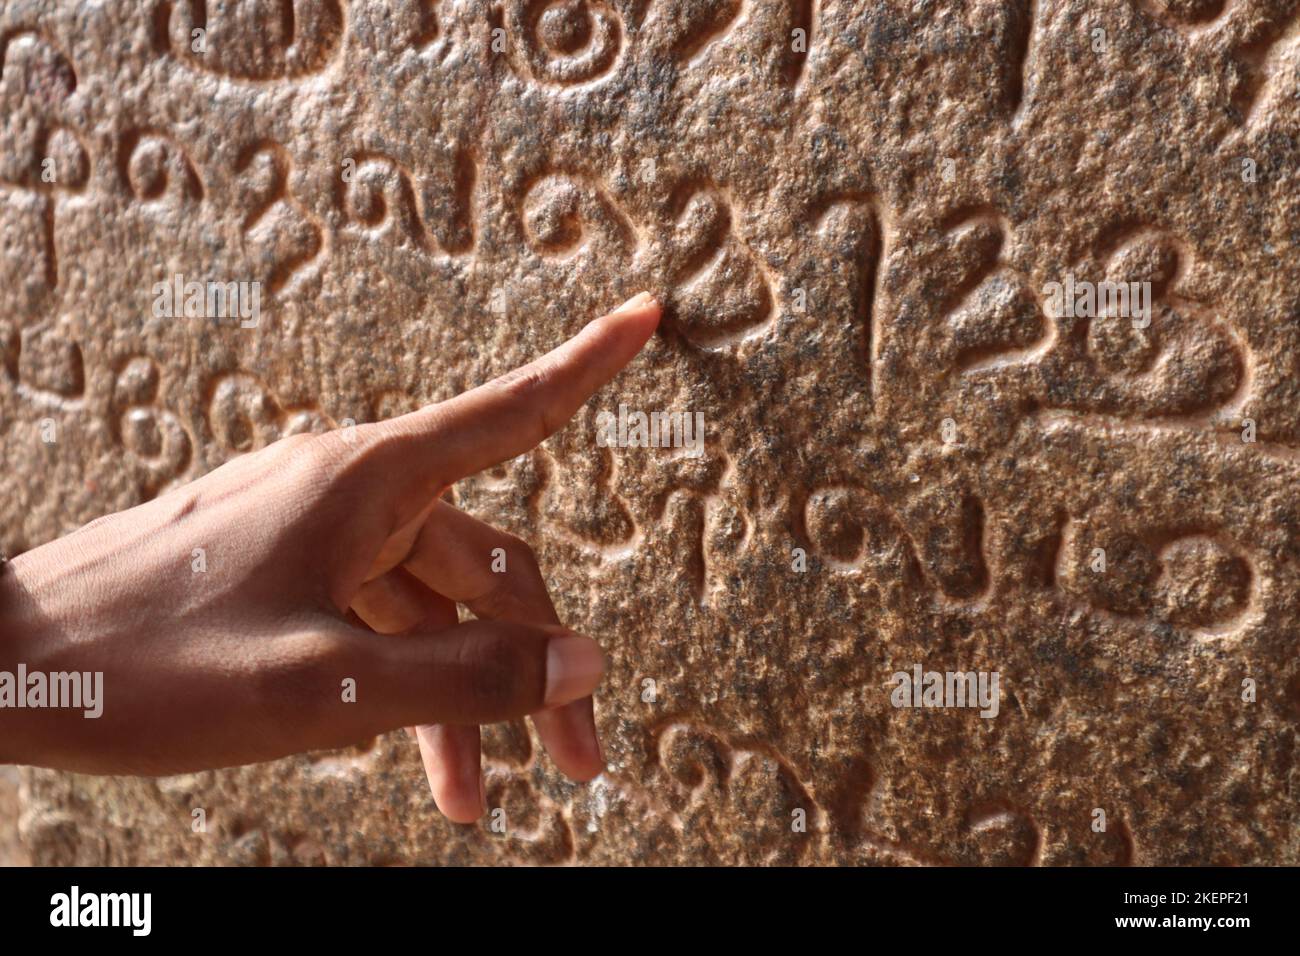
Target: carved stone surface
(854,234)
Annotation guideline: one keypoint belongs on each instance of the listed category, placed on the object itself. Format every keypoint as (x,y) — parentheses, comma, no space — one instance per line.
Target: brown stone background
(853,241)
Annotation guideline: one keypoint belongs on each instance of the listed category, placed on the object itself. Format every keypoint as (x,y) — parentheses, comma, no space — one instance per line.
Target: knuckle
(290,444)
(522,591)
(378,435)
(294,451)
(498,601)
(314,462)
(524,382)
(378,448)
(521,552)
(526,388)
(300,450)
(325,450)
(530,582)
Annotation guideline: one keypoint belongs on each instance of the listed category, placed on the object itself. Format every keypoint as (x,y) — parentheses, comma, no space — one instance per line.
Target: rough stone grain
(854,242)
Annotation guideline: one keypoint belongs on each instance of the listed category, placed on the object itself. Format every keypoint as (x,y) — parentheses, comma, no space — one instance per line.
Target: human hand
(328,557)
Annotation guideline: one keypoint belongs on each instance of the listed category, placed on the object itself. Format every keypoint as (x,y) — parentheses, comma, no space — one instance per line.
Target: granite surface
(913,456)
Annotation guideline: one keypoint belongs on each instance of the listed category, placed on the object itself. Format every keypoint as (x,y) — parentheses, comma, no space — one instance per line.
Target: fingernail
(574,665)
(638,300)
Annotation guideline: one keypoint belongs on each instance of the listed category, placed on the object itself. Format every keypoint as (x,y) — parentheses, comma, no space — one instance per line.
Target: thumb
(480,672)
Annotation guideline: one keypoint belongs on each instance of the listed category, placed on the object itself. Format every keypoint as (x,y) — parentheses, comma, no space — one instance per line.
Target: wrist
(21,627)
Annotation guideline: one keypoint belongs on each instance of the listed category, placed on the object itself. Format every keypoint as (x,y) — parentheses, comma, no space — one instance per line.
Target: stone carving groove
(852,213)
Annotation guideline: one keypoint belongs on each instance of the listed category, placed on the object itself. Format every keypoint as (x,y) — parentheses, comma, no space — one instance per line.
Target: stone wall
(855,212)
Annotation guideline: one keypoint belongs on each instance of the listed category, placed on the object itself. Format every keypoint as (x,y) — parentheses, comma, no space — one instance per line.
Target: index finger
(514,413)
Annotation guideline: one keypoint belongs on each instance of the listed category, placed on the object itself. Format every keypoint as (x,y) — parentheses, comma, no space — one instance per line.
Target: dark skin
(328,557)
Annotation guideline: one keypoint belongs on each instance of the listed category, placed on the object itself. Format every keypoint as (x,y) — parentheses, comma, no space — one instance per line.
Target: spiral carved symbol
(567,42)
(561,212)
(154,166)
(378,192)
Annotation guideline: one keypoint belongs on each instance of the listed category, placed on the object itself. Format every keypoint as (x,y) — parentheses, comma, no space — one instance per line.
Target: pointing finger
(434,447)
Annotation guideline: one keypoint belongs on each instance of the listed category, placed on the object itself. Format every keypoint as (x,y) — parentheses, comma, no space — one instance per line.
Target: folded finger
(398,601)
(496,576)
(453,764)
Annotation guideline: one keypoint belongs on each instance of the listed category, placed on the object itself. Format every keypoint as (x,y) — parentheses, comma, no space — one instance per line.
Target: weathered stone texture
(854,243)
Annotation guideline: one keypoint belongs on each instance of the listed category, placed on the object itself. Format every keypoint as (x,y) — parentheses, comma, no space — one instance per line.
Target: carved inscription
(255,40)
